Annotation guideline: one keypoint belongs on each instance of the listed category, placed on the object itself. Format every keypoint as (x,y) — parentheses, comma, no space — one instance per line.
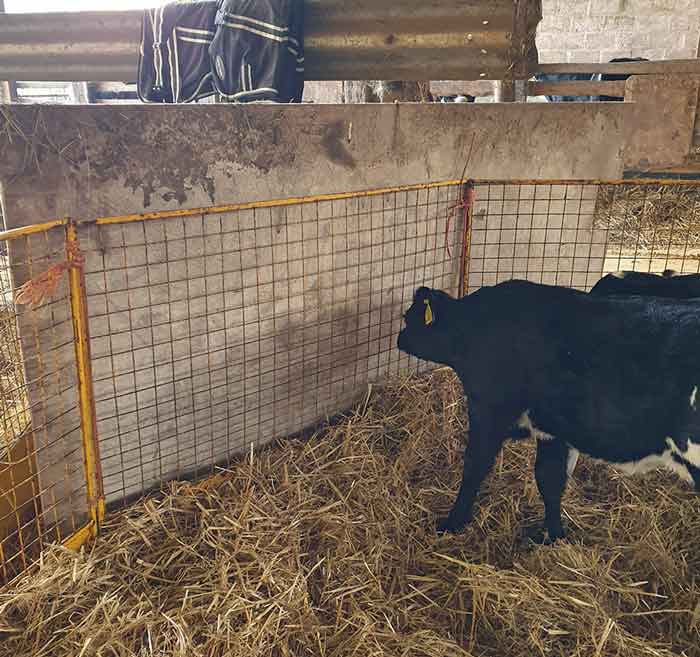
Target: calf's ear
(421,293)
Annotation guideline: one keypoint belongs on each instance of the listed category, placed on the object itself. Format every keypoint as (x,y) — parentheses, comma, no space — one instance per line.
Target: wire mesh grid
(42,483)
(210,334)
(650,228)
(542,233)
(572,234)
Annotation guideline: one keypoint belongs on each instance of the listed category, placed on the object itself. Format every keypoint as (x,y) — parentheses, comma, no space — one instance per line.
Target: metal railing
(49,489)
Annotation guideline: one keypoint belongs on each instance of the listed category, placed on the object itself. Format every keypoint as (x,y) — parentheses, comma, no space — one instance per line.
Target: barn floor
(327,548)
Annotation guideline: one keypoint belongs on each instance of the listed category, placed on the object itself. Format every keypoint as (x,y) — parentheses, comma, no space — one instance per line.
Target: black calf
(613,377)
(561,77)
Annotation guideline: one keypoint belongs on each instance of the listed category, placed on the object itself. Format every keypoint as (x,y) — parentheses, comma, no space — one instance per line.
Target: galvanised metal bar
(365,39)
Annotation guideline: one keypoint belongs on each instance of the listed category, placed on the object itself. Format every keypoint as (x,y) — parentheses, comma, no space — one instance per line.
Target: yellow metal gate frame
(78,300)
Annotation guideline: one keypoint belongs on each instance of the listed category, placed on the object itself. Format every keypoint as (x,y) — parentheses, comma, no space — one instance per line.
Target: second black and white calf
(617,378)
(669,284)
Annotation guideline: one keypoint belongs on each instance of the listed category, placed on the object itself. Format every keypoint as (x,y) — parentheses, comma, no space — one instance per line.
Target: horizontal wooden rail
(576,88)
(676,66)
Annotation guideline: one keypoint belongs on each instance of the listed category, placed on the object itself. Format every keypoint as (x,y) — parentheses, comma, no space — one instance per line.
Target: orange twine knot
(40,288)
(466,202)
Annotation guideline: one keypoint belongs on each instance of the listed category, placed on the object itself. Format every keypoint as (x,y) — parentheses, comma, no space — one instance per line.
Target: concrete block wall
(599,30)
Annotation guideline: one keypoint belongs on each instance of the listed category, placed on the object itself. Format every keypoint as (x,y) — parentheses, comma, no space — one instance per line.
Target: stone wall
(600,30)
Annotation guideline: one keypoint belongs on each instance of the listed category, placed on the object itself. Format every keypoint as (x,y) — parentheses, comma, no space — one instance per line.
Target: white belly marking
(571,460)
(654,462)
(665,460)
(691,454)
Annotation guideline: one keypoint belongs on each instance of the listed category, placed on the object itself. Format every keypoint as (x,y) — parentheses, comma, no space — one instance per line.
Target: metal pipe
(14,233)
(86,396)
(375,40)
(235,207)
(8,88)
(80,537)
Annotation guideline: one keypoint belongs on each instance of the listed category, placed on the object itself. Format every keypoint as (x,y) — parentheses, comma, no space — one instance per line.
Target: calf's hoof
(553,538)
(450,526)
(540,536)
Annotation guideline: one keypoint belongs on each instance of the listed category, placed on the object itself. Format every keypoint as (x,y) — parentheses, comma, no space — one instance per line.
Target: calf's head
(428,327)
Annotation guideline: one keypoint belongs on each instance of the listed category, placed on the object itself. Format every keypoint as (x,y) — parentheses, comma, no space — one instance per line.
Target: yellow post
(78,298)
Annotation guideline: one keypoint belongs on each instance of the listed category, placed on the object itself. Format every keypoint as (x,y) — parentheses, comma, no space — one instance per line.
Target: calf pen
(169,344)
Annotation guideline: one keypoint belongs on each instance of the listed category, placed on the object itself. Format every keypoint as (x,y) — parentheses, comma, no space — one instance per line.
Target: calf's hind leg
(695,474)
(551,472)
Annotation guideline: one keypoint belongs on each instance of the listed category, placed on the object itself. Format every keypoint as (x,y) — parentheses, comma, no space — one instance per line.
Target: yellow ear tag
(428,313)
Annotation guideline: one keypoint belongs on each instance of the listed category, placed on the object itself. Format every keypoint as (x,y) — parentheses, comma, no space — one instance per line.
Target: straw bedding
(326,547)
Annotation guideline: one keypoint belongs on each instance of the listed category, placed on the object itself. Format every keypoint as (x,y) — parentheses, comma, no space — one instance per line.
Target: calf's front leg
(479,456)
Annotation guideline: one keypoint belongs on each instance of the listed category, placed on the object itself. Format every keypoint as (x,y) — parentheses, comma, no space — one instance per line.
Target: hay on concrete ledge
(327,548)
(650,218)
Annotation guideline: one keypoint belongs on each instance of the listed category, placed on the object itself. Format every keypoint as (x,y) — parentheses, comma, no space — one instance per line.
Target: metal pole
(8,88)
(88,424)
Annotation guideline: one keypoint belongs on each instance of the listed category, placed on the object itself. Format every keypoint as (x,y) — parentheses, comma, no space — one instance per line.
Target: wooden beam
(504,91)
(576,88)
(677,66)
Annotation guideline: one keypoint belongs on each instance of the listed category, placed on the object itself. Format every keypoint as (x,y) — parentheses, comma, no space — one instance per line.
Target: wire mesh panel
(42,482)
(571,234)
(651,227)
(213,333)
(539,232)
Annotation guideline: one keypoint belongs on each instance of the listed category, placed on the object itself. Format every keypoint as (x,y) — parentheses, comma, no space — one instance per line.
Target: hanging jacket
(174,64)
(257,52)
